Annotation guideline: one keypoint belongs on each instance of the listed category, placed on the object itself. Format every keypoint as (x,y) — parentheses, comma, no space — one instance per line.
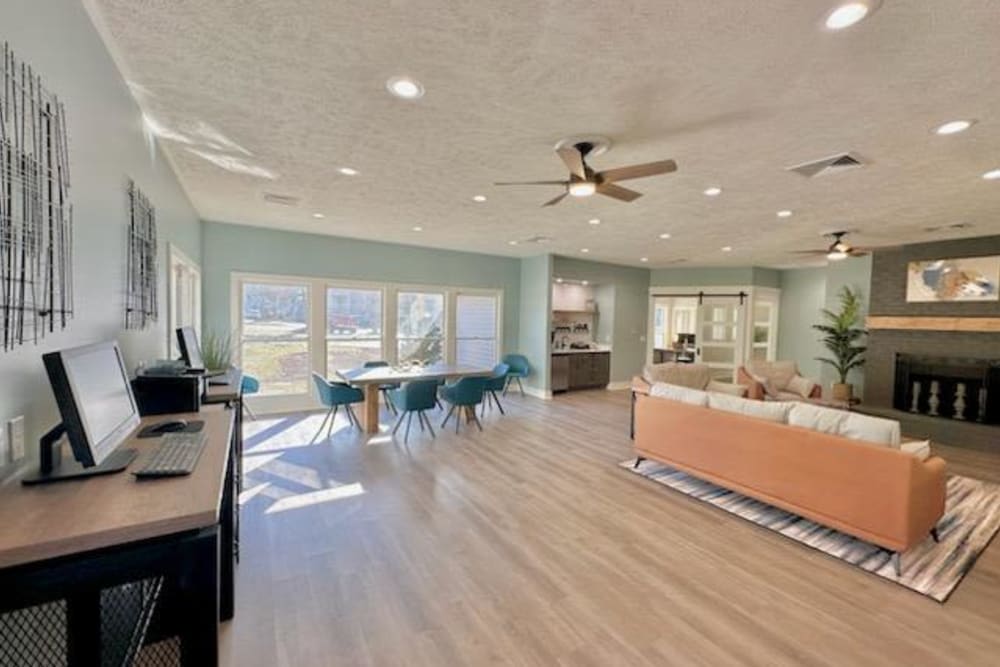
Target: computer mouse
(170,426)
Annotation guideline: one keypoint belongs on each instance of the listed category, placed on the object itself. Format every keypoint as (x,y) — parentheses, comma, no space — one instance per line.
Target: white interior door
(720,336)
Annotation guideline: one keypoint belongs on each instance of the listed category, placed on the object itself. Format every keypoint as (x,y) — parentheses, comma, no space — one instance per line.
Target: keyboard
(177,454)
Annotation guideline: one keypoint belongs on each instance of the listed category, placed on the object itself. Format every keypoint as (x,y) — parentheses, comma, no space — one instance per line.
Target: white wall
(107,146)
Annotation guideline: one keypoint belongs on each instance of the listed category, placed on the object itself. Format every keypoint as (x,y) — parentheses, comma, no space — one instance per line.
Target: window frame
(357,286)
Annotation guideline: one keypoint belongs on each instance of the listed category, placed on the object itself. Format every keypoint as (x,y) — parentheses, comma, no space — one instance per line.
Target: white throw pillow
(771,411)
(801,386)
(919,448)
(727,388)
(857,426)
(817,418)
(678,393)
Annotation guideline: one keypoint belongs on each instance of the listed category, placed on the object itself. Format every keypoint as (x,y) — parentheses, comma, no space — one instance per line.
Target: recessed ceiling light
(582,188)
(405,87)
(511,242)
(479,198)
(418,229)
(318,216)
(992,175)
(848,13)
(713,191)
(594,221)
(347,171)
(558,280)
(784,213)
(584,282)
(644,259)
(727,248)
(584,250)
(665,235)
(954,127)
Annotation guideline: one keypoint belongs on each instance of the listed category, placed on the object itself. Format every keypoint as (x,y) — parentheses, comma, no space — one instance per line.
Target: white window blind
(476,330)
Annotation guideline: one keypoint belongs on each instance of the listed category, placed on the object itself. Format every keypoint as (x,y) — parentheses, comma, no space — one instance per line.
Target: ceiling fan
(838,250)
(584,181)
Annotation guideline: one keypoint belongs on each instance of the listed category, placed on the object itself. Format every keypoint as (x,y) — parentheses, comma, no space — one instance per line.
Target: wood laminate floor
(526,545)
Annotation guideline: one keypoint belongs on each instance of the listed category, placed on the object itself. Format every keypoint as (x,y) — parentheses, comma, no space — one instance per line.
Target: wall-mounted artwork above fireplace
(961,279)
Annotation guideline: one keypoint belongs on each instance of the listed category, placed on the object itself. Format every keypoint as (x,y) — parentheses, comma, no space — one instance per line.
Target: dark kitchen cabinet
(587,370)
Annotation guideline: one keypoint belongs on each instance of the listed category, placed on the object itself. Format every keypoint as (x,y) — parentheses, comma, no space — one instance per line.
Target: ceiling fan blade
(553,202)
(533,183)
(817,251)
(617,192)
(573,161)
(637,171)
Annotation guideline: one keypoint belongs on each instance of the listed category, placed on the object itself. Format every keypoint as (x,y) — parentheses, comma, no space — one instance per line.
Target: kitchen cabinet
(580,370)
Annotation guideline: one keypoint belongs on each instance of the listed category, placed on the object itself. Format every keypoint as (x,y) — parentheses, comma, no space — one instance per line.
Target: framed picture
(960,279)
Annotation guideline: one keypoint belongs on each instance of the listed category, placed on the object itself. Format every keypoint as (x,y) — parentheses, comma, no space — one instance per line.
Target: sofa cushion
(801,386)
(857,426)
(677,393)
(768,411)
(817,418)
(695,376)
(777,373)
(919,448)
(730,388)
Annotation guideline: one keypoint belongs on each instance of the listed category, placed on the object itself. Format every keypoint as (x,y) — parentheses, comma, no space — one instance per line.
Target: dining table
(368,380)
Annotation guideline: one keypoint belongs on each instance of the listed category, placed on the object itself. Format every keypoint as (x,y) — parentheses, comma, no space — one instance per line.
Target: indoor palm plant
(842,337)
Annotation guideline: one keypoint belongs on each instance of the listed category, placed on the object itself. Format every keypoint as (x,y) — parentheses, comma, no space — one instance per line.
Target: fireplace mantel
(970,324)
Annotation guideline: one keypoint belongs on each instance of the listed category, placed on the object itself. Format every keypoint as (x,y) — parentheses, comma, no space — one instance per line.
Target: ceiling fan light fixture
(992,175)
(582,188)
(836,255)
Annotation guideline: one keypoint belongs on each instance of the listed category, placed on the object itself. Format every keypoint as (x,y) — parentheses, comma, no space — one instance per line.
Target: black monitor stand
(52,467)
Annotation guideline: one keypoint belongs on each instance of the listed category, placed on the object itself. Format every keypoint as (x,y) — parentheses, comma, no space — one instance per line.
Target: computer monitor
(187,341)
(98,410)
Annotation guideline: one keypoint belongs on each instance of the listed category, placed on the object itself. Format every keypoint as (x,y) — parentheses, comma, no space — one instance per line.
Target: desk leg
(369,418)
(200,591)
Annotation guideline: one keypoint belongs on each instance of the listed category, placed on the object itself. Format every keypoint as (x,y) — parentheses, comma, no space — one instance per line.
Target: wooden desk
(369,379)
(72,540)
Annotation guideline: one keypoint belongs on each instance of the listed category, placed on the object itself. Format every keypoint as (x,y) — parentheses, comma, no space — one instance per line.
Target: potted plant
(842,337)
(216,351)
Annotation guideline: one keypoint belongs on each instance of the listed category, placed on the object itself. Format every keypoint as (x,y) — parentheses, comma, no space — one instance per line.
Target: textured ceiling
(255,96)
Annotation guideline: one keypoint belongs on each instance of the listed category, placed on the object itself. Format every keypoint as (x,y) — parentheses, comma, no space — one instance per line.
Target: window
(476,330)
(184,287)
(420,327)
(274,336)
(353,327)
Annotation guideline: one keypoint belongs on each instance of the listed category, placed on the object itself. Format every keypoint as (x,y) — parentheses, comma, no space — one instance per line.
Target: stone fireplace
(957,388)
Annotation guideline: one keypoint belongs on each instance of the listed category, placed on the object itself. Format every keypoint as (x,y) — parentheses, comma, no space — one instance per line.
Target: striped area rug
(971,519)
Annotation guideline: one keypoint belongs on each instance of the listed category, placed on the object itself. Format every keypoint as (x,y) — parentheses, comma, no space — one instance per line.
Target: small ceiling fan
(838,250)
(584,181)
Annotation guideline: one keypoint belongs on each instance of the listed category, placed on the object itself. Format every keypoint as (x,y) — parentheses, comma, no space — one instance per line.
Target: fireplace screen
(948,387)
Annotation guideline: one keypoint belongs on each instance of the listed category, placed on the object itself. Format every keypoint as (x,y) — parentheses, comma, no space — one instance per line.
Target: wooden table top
(390,375)
(50,520)
(223,393)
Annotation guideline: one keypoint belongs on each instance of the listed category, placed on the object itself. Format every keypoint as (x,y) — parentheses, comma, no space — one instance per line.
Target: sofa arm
(640,385)
(928,498)
(755,390)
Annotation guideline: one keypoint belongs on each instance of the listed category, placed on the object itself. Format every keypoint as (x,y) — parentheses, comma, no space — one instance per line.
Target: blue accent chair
(519,368)
(417,396)
(466,394)
(249,386)
(384,389)
(333,395)
(494,383)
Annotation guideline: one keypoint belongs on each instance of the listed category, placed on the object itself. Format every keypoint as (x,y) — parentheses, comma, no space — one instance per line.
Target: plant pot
(843,392)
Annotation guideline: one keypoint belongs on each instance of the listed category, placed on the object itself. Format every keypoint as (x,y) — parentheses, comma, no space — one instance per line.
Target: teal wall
(630,309)
(804,292)
(239,248)
(107,147)
(715,277)
(535,314)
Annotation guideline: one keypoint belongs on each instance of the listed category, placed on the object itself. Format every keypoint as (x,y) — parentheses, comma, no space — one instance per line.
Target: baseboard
(535,392)
(618,386)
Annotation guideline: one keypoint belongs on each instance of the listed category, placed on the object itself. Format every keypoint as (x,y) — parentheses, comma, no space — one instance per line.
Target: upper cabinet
(571,297)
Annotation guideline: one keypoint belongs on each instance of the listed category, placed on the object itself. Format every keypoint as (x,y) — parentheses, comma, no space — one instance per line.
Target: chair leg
(479,424)
(448,416)
(406,434)
(353,418)
(248,410)
(333,418)
(506,385)
(399,422)
(388,402)
(638,460)
(322,425)
(520,386)
(438,403)
(427,420)
(496,399)
(897,562)
(935,534)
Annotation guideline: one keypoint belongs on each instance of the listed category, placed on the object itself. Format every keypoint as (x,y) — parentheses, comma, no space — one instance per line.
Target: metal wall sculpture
(36,218)
(141,299)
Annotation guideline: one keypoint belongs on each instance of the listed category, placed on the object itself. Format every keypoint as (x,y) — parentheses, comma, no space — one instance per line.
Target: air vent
(537,239)
(828,165)
(281,200)
(940,228)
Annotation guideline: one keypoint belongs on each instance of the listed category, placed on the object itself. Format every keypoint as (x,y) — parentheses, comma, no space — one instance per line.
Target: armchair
(778,380)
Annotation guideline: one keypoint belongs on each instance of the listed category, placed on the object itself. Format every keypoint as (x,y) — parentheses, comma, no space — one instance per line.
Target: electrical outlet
(4,449)
(15,433)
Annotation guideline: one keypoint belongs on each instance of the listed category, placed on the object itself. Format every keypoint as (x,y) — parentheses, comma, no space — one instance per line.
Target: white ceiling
(734,91)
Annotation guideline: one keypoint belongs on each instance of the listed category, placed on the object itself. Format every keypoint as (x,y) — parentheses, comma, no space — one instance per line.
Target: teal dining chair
(384,389)
(249,385)
(494,383)
(519,368)
(334,395)
(466,393)
(415,397)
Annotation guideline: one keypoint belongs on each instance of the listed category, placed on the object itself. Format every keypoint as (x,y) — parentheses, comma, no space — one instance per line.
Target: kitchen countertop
(597,349)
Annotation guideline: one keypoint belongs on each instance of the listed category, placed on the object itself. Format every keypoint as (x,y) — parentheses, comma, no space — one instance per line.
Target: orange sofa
(877,493)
